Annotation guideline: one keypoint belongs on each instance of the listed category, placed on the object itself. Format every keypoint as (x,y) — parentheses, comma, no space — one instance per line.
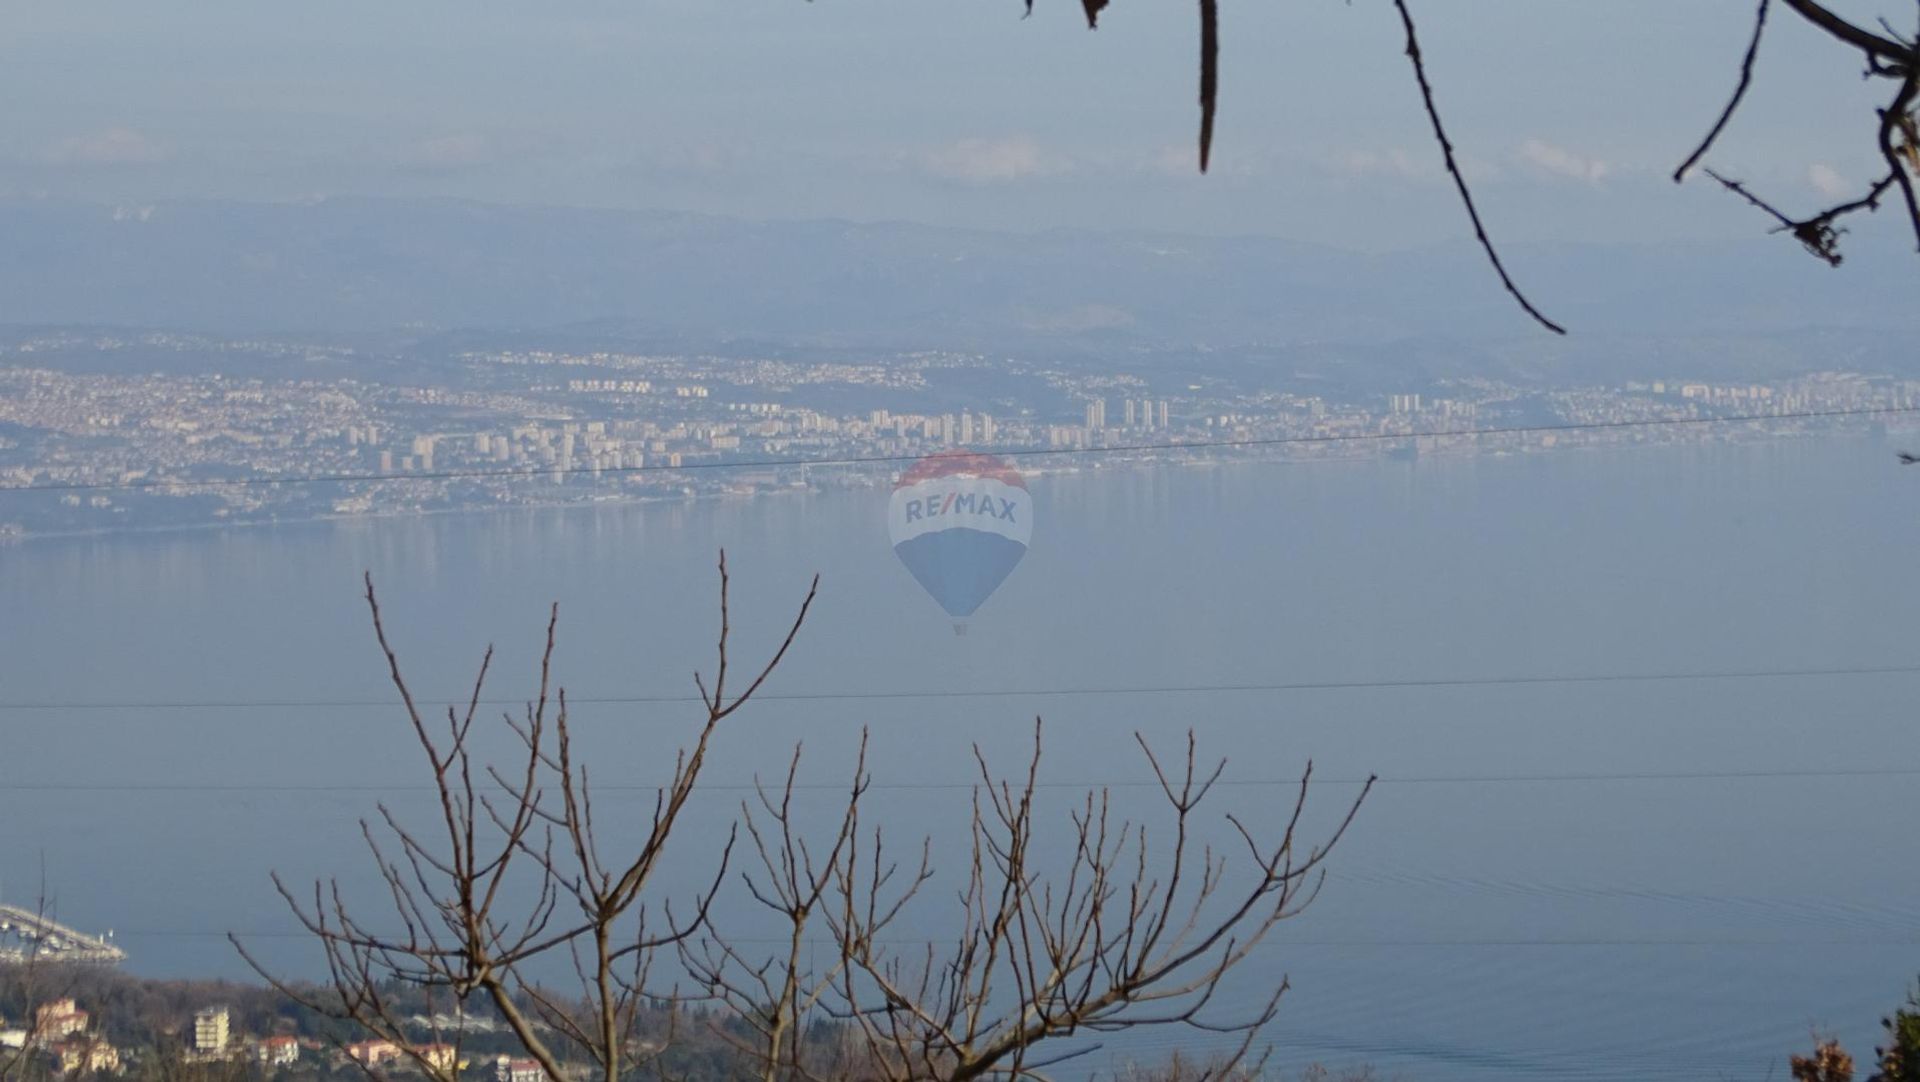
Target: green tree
(1900,1056)
(1898,1059)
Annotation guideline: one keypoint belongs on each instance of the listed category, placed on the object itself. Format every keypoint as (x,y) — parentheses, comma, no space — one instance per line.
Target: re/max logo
(960,503)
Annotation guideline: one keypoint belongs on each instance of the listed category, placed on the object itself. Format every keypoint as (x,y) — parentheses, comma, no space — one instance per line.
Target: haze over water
(1488,916)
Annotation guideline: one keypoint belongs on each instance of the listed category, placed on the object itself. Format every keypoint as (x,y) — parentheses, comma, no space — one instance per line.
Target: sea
(1643,720)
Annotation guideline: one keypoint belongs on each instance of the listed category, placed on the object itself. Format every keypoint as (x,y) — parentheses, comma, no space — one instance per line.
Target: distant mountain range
(426,268)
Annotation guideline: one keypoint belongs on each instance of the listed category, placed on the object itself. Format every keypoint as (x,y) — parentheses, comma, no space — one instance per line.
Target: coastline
(1451,447)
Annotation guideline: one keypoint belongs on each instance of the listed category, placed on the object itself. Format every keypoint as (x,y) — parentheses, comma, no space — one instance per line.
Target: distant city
(119,441)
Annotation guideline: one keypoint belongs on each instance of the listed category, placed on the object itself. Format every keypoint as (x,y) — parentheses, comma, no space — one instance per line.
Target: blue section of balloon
(959,566)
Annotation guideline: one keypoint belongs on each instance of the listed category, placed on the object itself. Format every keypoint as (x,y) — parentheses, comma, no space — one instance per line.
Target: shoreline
(1466,451)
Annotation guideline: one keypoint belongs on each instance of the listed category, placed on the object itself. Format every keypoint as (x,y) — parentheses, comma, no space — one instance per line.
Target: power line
(1475,942)
(259,788)
(857,460)
(1412,683)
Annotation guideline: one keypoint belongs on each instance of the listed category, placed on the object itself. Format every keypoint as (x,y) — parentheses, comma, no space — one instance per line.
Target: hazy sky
(949,111)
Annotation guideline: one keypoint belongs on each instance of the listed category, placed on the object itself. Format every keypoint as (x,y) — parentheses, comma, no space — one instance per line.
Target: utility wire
(856,460)
(1000,693)
(260,788)
(1548,941)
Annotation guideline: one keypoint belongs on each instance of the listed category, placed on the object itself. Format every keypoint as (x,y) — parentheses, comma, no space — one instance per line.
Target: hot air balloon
(960,522)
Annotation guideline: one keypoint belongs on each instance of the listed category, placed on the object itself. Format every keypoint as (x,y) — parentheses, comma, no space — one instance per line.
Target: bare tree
(1133,929)
(775,996)
(460,925)
(1124,927)
(1890,55)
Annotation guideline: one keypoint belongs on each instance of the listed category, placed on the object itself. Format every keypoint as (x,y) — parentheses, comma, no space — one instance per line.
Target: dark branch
(1733,103)
(1874,45)
(1453,169)
(1209,75)
(1818,234)
(1898,120)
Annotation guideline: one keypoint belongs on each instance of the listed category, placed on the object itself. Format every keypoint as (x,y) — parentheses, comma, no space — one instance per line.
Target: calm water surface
(1487,918)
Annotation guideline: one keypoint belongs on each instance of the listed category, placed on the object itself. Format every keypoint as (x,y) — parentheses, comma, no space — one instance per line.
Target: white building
(210,1032)
(280,1051)
(508,1069)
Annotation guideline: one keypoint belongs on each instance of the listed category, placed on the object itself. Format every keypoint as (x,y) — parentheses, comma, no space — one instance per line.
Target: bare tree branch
(1889,54)
(1733,103)
(464,924)
(1121,936)
(1209,75)
(1453,170)
(1875,46)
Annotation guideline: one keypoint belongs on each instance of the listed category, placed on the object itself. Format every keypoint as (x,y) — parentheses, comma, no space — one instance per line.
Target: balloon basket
(959,628)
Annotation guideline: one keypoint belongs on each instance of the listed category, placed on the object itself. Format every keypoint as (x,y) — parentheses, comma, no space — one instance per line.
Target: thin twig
(1733,103)
(1740,190)
(1459,179)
